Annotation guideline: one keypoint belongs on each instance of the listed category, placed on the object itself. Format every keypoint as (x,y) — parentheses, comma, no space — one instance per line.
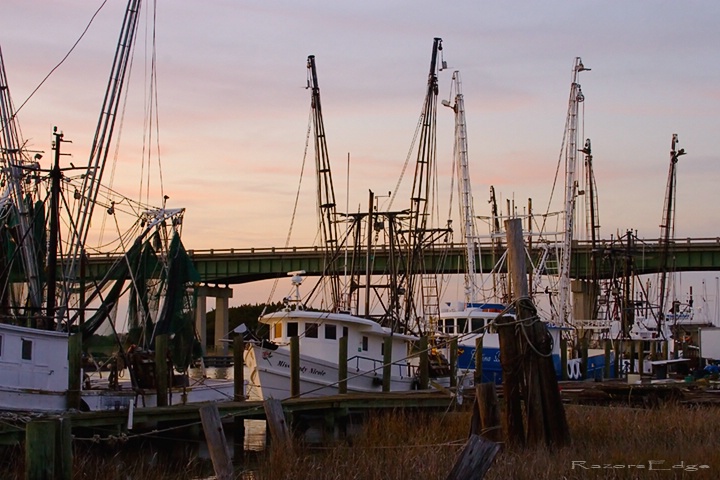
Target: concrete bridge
(236,266)
(220,268)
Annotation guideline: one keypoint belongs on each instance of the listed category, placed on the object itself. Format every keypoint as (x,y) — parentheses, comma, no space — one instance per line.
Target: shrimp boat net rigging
(49,219)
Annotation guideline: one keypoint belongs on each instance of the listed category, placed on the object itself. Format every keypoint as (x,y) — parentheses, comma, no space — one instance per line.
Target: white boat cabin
(32,359)
(466,321)
(319,333)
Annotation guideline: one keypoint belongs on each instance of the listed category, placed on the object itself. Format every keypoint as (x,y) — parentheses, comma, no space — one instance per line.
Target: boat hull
(270,375)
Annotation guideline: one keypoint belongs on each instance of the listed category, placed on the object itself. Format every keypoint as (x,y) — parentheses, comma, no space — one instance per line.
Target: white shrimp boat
(319,334)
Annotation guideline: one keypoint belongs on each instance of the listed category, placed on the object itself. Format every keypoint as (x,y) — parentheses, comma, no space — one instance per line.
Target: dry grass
(421,446)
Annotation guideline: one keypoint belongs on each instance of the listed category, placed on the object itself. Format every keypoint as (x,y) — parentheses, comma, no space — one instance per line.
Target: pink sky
(233,108)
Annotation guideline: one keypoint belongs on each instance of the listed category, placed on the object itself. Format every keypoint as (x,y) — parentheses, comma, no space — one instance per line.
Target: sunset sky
(233,110)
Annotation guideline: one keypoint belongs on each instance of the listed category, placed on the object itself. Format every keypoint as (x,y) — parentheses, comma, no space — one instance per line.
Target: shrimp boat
(473,320)
(58,301)
(382,341)
(319,334)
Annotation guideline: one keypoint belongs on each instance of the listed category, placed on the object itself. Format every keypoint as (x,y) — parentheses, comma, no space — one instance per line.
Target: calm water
(255,430)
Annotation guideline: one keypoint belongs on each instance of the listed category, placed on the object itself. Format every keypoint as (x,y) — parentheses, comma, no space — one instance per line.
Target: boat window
(292,329)
(382,349)
(365,343)
(330,332)
(278,330)
(26,349)
(345,331)
(477,324)
(311,330)
(461,325)
(450,325)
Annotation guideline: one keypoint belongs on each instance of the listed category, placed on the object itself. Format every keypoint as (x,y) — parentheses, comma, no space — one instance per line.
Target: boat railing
(373,365)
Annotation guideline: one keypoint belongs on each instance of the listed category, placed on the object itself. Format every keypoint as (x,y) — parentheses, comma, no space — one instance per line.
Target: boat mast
(419,236)
(667,228)
(12,155)
(467,213)
(100,148)
(571,189)
(325,190)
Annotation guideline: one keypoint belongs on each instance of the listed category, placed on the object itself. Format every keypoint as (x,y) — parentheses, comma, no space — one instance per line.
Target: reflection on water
(255,430)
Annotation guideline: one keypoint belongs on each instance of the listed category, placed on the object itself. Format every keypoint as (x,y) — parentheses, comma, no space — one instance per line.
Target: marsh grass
(414,447)
(400,445)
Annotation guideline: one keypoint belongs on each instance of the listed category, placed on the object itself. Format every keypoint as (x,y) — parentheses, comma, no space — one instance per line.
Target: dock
(331,409)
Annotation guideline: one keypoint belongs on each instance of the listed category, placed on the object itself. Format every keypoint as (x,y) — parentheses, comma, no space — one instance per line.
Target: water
(255,430)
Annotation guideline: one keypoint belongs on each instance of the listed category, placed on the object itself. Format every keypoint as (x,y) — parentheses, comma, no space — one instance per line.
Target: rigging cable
(295,206)
(87,27)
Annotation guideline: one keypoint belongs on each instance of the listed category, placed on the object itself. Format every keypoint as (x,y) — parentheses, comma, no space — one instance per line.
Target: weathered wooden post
(276,424)
(342,364)
(453,362)
(584,355)
(478,359)
(617,346)
(475,459)
(545,413)
(239,396)
(64,449)
(641,356)
(295,366)
(563,358)
(487,404)
(74,371)
(40,452)
(215,437)
(424,363)
(608,348)
(161,369)
(239,367)
(387,364)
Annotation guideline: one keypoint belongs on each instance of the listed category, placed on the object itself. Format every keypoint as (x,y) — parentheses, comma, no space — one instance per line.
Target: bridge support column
(222,307)
(201,319)
(585,293)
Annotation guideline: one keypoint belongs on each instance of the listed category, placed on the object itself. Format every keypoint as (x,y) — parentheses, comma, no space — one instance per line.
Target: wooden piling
(608,348)
(239,368)
(279,431)
(478,359)
(387,364)
(295,366)
(453,361)
(512,380)
(563,358)
(424,363)
(74,371)
(64,450)
(530,353)
(40,449)
(641,356)
(217,445)
(584,356)
(239,395)
(342,364)
(487,405)
(475,459)
(161,369)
